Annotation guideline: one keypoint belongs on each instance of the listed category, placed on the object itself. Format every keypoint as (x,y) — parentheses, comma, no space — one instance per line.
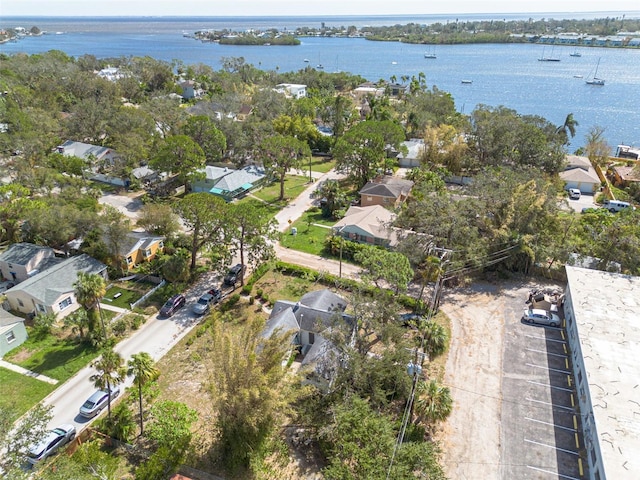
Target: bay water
(490,74)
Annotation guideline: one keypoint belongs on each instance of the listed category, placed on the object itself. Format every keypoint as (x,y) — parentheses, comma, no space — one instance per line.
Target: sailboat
(575,53)
(551,58)
(431,53)
(595,80)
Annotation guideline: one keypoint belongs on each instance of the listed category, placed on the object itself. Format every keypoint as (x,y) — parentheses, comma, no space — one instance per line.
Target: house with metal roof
(229,183)
(603,333)
(52,290)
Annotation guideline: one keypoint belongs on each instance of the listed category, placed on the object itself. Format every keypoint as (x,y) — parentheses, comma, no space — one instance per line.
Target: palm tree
(110,371)
(433,402)
(89,289)
(142,368)
(434,339)
(567,128)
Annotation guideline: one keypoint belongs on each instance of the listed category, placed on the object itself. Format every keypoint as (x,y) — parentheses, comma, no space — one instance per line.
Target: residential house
(145,174)
(86,151)
(229,183)
(111,73)
(244,112)
(385,190)
(188,89)
(141,247)
(294,90)
(12,332)
(603,336)
(309,322)
(23,260)
(52,290)
(580,174)
(624,175)
(368,225)
(100,160)
(410,159)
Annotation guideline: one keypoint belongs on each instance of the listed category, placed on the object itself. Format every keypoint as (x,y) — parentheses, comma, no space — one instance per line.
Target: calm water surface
(508,75)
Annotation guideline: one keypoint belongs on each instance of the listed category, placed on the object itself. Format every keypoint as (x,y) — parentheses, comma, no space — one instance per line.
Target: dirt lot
(471,437)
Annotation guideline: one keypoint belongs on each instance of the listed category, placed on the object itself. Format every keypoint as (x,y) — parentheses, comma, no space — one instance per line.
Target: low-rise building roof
(606,307)
(21,253)
(387,186)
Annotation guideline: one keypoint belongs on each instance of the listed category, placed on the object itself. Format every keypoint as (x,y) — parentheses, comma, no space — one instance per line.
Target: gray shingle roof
(21,253)
(387,186)
(47,286)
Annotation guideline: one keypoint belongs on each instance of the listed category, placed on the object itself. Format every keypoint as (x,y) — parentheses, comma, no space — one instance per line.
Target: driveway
(129,204)
(585,201)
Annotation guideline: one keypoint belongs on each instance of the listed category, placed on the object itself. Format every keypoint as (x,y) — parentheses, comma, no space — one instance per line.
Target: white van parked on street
(617,206)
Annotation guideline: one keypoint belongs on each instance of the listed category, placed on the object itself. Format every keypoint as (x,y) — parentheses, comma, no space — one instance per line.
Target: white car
(54,439)
(543,317)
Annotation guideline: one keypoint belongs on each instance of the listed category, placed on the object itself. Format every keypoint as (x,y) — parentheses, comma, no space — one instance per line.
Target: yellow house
(141,247)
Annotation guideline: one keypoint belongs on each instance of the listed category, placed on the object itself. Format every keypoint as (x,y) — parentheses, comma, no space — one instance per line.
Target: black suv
(173,304)
(233,275)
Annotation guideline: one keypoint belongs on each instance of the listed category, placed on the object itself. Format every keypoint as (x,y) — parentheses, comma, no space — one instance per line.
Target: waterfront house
(385,190)
(624,175)
(52,290)
(580,174)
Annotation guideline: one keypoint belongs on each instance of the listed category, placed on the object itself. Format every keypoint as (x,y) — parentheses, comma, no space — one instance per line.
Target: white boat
(431,53)
(595,80)
(306,60)
(394,63)
(467,82)
(577,76)
(575,53)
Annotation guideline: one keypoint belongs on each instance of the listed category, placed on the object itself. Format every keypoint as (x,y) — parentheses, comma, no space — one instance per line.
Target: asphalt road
(156,337)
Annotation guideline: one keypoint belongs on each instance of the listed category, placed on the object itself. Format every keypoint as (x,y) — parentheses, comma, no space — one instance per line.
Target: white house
(580,174)
(294,90)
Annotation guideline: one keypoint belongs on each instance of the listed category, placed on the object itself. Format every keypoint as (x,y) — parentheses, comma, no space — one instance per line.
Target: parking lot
(511,382)
(540,430)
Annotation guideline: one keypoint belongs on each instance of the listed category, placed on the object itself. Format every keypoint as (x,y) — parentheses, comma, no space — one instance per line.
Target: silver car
(543,317)
(202,306)
(96,402)
(54,439)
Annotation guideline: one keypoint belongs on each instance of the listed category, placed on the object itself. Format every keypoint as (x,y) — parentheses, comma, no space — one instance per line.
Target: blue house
(12,332)
(229,183)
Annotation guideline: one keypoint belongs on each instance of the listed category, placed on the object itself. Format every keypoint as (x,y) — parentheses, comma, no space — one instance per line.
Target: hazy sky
(298,7)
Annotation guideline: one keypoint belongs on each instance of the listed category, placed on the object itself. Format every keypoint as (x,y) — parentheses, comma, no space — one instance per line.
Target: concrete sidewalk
(27,373)
(113,308)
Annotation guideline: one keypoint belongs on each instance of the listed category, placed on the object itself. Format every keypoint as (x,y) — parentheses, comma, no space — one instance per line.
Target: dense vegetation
(511,218)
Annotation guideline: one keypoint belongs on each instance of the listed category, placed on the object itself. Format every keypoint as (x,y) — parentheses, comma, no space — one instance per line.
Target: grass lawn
(20,393)
(54,356)
(322,164)
(124,300)
(309,238)
(293,186)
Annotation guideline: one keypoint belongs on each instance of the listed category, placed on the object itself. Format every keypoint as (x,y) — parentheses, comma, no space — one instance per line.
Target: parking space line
(564,450)
(575,422)
(564,346)
(551,404)
(560,475)
(546,339)
(562,334)
(548,353)
(549,369)
(569,382)
(577,441)
(580,469)
(550,386)
(550,424)
(573,402)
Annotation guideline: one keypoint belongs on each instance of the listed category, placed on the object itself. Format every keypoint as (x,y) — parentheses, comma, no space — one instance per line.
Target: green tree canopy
(282,153)
(180,155)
